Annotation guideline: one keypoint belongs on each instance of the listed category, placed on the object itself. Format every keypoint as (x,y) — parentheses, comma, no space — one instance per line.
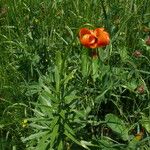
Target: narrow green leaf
(69,77)
(98,98)
(54,135)
(54,122)
(95,69)
(145,121)
(61,38)
(69,129)
(49,95)
(85,144)
(62,113)
(70,31)
(58,61)
(43,142)
(57,79)
(39,127)
(85,63)
(70,98)
(58,70)
(71,137)
(35,136)
(44,100)
(60,146)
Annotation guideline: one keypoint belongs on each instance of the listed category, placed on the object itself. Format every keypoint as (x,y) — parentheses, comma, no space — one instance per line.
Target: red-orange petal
(102,36)
(95,45)
(98,31)
(87,40)
(103,40)
(84,31)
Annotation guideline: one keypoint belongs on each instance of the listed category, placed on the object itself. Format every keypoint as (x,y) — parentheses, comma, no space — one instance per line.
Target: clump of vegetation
(74,75)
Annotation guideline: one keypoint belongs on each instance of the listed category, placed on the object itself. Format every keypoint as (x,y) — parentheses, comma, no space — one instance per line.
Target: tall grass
(53,95)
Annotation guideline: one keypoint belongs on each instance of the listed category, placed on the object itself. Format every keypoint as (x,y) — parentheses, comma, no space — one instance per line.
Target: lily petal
(87,40)
(98,31)
(84,31)
(102,36)
(95,45)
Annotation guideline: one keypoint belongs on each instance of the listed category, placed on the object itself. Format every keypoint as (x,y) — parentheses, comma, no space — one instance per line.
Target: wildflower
(24,123)
(140,89)
(139,136)
(137,53)
(94,38)
(148,41)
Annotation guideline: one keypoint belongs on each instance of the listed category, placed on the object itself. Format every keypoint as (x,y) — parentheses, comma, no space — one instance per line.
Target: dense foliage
(56,94)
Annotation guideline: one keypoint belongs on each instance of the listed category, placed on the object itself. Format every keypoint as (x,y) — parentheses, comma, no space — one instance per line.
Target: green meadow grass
(54,96)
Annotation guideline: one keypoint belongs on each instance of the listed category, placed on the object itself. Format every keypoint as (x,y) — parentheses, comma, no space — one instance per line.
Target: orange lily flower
(94,38)
(139,136)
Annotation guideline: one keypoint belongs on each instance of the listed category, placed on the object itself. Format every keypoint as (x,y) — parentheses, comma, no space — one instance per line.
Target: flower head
(94,38)
(139,136)
(137,53)
(24,123)
(148,41)
(141,89)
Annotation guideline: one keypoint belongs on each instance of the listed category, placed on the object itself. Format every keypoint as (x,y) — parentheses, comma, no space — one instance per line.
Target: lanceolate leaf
(54,135)
(35,136)
(71,137)
(70,98)
(43,143)
(69,77)
(48,95)
(117,125)
(69,129)
(60,146)
(54,122)
(95,67)
(85,63)
(85,144)
(145,121)
(57,79)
